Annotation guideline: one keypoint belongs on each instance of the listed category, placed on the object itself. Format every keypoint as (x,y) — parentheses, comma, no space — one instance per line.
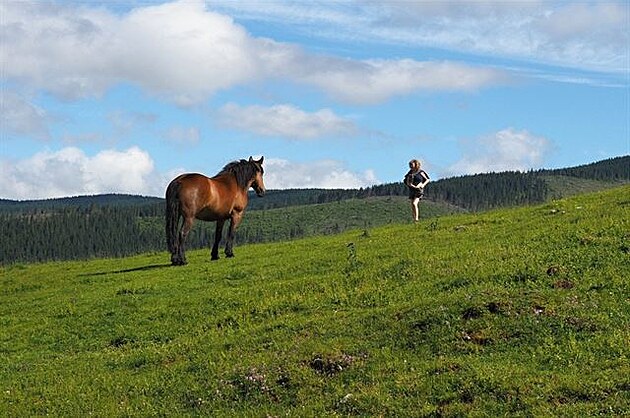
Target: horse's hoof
(179,262)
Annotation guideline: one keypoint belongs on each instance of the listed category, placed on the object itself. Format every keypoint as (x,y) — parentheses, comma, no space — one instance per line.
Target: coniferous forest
(120,225)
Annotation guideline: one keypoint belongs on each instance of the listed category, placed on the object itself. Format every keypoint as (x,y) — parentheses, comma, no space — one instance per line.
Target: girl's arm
(426,180)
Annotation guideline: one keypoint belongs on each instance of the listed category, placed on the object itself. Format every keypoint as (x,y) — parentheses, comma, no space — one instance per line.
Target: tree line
(120,225)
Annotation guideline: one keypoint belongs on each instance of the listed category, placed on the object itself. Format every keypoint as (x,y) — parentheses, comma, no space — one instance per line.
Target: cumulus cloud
(184,52)
(325,174)
(70,171)
(285,121)
(177,50)
(506,150)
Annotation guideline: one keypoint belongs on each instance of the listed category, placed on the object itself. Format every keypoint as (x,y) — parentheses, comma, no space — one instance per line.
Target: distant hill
(612,169)
(470,192)
(494,190)
(118,225)
(118,200)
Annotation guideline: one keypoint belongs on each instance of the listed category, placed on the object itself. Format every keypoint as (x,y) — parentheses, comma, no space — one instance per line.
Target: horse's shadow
(130,270)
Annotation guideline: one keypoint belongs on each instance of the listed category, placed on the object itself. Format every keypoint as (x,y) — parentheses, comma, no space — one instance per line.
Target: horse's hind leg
(183,234)
(214,253)
(175,257)
(175,245)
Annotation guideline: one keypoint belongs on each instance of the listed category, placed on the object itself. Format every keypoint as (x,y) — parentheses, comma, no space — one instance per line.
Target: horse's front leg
(235,221)
(218,233)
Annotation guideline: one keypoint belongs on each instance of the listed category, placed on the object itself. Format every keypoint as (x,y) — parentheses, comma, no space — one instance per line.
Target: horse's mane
(242,170)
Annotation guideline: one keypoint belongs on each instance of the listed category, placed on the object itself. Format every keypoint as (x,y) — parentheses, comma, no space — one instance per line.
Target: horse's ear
(250,159)
(261,160)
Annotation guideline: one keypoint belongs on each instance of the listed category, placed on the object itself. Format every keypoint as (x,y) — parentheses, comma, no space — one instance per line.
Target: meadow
(512,312)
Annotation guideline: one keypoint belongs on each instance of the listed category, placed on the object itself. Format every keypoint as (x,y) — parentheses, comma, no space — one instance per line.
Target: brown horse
(219,198)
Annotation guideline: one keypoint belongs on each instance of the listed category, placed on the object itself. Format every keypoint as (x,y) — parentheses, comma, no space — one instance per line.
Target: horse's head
(258,184)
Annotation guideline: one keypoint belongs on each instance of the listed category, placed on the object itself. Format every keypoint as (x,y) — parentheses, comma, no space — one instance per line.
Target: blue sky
(121,96)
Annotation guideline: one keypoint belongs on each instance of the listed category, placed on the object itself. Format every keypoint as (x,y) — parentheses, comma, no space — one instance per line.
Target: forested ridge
(118,225)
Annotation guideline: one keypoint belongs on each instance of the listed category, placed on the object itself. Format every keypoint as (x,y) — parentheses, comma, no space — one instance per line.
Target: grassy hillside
(520,312)
(326,218)
(564,186)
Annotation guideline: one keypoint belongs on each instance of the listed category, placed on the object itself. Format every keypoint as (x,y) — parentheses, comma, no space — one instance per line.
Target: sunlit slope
(512,312)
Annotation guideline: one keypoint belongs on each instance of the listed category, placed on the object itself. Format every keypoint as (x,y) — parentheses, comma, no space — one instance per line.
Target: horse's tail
(172,215)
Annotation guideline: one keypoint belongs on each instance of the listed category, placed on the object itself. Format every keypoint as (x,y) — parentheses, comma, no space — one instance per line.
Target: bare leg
(214,254)
(414,209)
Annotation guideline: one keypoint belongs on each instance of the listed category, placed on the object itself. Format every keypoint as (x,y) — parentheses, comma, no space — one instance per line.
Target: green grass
(520,312)
(334,217)
(565,186)
(302,221)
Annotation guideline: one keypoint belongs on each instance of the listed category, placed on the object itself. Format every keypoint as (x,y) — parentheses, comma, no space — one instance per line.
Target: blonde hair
(414,164)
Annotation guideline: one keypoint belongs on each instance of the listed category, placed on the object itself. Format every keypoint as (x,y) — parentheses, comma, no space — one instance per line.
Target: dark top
(416,178)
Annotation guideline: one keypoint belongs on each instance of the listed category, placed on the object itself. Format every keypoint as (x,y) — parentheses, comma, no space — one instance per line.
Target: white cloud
(183,52)
(506,150)
(70,171)
(325,174)
(18,116)
(374,81)
(177,50)
(285,121)
(581,20)
(579,35)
